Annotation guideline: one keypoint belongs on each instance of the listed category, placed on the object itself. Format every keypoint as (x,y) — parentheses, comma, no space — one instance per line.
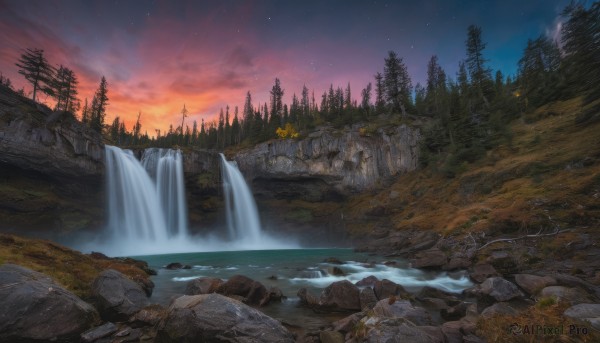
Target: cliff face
(346,161)
(33,138)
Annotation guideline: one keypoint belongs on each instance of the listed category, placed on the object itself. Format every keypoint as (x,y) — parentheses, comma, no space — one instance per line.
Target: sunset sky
(158,55)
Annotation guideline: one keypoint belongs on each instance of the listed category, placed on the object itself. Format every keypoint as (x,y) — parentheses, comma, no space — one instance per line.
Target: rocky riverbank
(505,304)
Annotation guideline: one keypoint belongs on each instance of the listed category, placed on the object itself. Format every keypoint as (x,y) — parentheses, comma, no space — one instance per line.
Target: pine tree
(36,70)
(248,115)
(85,113)
(220,131)
(379,93)
(537,70)
(397,83)
(276,105)
(236,128)
(479,73)
(99,103)
(365,103)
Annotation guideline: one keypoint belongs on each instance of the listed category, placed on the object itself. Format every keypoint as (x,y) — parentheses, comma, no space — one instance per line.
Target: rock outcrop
(346,161)
(117,297)
(216,318)
(32,137)
(35,308)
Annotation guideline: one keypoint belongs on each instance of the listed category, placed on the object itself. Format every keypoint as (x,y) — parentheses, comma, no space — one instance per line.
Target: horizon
(157,57)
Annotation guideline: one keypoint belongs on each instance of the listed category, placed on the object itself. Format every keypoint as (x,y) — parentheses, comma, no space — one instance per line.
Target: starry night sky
(158,55)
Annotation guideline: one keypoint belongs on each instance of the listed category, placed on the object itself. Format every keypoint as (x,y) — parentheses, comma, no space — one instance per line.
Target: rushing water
(293,270)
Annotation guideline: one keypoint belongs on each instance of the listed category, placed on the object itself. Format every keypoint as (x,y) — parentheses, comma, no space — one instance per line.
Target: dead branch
(539,234)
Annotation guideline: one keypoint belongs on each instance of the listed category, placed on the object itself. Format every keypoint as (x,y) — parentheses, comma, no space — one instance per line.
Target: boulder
(481,272)
(498,309)
(35,308)
(585,312)
(347,324)
(499,289)
(117,297)
(340,296)
(333,260)
(369,281)
(252,292)
(386,288)
(399,330)
(216,318)
(452,332)
(455,312)
(335,271)
(571,295)
(177,265)
(368,299)
(203,285)
(432,258)
(275,294)
(503,262)
(402,309)
(428,292)
(96,333)
(457,262)
(148,316)
(533,283)
(307,299)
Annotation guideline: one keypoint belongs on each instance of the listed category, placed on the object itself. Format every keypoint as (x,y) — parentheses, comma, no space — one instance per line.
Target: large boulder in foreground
(340,296)
(216,318)
(117,297)
(34,308)
(252,292)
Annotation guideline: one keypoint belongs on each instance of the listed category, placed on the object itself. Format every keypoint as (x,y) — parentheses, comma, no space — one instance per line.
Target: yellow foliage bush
(288,132)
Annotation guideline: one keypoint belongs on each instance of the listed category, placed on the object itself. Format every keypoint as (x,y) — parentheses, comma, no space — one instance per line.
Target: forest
(463,115)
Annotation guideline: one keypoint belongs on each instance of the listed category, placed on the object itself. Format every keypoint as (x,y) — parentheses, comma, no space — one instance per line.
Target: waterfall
(242,217)
(147,212)
(165,166)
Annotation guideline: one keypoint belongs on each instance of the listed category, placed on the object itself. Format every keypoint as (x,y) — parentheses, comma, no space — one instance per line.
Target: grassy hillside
(547,177)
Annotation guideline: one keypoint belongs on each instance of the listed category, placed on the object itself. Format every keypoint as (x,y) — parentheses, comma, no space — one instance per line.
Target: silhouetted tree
(36,70)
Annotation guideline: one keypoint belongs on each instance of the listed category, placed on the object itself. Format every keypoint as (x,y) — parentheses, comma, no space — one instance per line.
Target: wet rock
(386,288)
(275,294)
(347,324)
(585,312)
(203,285)
(96,333)
(331,337)
(253,292)
(369,281)
(402,309)
(454,312)
(572,295)
(499,289)
(177,265)
(452,332)
(306,298)
(481,272)
(116,297)
(336,271)
(35,308)
(429,292)
(432,258)
(498,309)
(457,262)
(532,284)
(312,274)
(399,330)
(368,299)
(216,318)
(341,296)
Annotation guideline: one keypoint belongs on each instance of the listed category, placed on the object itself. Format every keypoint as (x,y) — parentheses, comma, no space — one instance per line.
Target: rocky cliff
(348,161)
(34,138)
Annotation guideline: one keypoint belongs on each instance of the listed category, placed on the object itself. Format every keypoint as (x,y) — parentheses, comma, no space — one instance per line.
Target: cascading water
(242,216)
(147,213)
(165,166)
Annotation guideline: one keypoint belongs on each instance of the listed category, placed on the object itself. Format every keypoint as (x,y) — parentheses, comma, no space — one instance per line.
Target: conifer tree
(99,103)
(480,74)
(397,84)
(379,93)
(36,70)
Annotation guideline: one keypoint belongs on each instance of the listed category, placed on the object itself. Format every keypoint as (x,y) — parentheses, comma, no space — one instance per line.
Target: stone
(572,295)
(432,258)
(481,272)
(455,312)
(503,262)
(456,263)
(331,337)
(368,299)
(585,312)
(96,333)
(432,292)
(306,298)
(177,265)
(340,296)
(399,330)
(35,308)
(333,260)
(336,271)
(216,318)
(148,316)
(499,289)
(386,288)
(498,309)
(369,281)
(532,284)
(347,324)
(253,292)
(275,294)
(203,285)
(402,309)
(452,332)
(116,297)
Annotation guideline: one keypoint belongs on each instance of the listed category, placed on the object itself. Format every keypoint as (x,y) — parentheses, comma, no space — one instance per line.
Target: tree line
(468,113)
